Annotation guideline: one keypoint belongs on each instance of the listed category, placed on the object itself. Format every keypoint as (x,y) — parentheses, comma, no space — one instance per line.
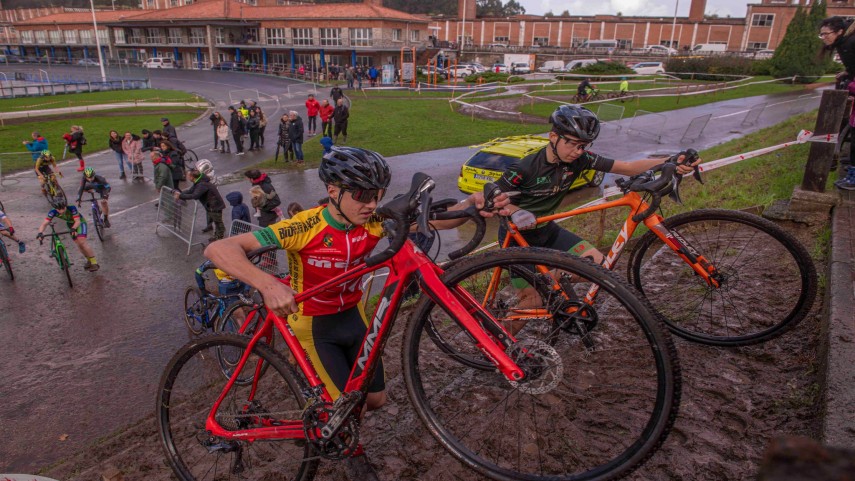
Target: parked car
(225,66)
(461,70)
(429,70)
(765,53)
(520,68)
(649,68)
(495,156)
(497,45)
(159,62)
(709,48)
(88,62)
(659,50)
(499,68)
(551,66)
(579,63)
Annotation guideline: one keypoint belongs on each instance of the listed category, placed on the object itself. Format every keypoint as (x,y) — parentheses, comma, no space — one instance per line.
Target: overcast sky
(649,8)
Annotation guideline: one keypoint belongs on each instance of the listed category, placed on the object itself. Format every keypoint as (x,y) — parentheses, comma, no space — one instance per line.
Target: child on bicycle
(77,225)
(8,230)
(45,166)
(95,183)
(226,284)
(323,242)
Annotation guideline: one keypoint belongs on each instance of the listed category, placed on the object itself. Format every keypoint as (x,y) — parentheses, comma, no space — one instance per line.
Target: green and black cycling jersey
(542,185)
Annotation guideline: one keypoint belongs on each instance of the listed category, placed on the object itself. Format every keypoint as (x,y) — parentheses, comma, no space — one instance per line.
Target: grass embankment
(87,99)
(754,182)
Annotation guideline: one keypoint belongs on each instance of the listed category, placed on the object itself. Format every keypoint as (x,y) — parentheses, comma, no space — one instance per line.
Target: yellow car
(495,156)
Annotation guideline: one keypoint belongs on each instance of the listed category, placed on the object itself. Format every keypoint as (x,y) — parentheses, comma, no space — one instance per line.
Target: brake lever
(424,206)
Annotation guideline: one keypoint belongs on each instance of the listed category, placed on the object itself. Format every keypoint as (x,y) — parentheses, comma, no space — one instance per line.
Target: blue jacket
(239,210)
(36,147)
(327,143)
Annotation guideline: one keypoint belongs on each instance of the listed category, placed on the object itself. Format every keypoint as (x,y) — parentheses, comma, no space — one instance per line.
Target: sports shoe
(212,150)
(848,182)
(359,469)
(106,221)
(123,176)
(92,267)
(208,228)
(80,169)
(21,247)
(241,153)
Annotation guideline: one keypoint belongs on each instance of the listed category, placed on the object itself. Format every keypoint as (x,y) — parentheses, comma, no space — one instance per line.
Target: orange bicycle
(738,279)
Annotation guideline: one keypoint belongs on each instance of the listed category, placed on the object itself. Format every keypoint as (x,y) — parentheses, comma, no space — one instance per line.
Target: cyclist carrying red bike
(322,243)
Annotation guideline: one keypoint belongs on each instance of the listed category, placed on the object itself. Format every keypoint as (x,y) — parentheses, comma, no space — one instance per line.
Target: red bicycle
(539,404)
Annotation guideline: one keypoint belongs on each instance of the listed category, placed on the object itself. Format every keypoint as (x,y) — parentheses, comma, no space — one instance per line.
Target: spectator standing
(348,75)
(168,131)
(203,190)
(284,140)
(295,133)
(132,148)
(326,113)
(360,74)
(215,123)
(837,36)
(253,125)
(340,115)
(268,213)
(243,109)
(239,210)
(262,124)
(236,126)
(294,208)
(336,94)
(148,141)
(176,163)
(115,143)
(372,75)
(162,171)
(76,140)
(36,146)
(223,132)
(312,108)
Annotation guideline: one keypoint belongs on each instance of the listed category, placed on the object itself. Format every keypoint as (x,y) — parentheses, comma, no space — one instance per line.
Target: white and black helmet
(577,121)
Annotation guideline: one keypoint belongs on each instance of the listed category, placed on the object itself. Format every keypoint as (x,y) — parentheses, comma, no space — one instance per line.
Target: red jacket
(312,107)
(326,112)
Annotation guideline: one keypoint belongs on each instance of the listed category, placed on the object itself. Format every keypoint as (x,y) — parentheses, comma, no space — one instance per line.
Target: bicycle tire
(727,316)
(191,156)
(4,258)
(64,264)
(99,223)
(459,404)
(188,388)
(227,323)
(197,312)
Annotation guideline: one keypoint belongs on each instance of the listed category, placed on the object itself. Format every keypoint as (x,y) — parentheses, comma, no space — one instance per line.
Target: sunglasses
(365,196)
(575,143)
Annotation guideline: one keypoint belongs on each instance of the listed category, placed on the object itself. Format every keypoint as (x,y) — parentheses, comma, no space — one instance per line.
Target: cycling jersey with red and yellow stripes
(320,248)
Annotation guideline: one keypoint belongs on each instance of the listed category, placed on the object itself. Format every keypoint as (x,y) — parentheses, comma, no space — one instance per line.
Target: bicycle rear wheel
(240,319)
(588,410)
(99,223)
(189,387)
(768,278)
(4,258)
(197,311)
(64,264)
(191,156)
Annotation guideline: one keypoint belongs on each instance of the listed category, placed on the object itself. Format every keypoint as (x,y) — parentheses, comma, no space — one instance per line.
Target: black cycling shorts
(333,343)
(550,236)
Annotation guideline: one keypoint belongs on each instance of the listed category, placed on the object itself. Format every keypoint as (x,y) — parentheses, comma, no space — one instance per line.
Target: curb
(838,337)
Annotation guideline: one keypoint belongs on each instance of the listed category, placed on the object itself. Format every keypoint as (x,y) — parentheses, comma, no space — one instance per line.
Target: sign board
(408,71)
(388,74)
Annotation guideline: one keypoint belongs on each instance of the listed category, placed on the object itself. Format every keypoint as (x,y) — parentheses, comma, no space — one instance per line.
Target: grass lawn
(96,129)
(74,100)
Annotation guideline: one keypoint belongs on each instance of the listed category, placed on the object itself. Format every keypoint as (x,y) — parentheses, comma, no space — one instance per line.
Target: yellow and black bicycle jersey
(320,248)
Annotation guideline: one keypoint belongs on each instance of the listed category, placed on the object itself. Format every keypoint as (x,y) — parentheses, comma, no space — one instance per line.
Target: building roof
(80,17)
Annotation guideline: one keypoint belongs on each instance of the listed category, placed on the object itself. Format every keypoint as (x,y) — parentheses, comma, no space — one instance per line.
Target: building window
(304,59)
(330,36)
(540,41)
(762,19)
(360,37)
(173,3)
(220,36)
(155,35)
(250,35)
(137,35)
(41,36)
(104,36)
(197,35)
(577,41)
(624,43)
(27,36)
(175,35)
(333,59)
(55,36)
(302,36)
(278,60)
(757,46)
(86,37)
(275,36)
(119,35)
(414,35)
(70,36)
(364,60)
(397,35)
(501,39)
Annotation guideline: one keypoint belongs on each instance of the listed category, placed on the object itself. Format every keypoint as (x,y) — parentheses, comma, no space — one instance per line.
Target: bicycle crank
(541,363)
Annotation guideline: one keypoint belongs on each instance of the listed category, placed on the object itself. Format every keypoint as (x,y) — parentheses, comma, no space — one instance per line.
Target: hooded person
(203,190)
(36,146)
(268,210)
(240,211)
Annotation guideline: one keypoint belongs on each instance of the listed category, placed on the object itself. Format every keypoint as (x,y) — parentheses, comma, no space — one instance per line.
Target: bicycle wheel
(64,264)
(189,387)
(191,156)
(99,223)
(4,258)
(589,410)
(197,311)
(768,278)
(232,321)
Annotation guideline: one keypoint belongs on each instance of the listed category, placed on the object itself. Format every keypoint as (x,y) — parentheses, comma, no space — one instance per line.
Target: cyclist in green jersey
(77,225)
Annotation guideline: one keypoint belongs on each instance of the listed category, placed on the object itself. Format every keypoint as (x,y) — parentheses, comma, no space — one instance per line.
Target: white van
(159,62)
(551,66)
(574,64)
(599,44)
(709,48)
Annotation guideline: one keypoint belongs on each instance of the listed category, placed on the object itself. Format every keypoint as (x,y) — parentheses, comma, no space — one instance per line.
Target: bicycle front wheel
(240,318)
(189,387)
(99,223)
(191,156)
(197,311)
(4,258)
(602,386)
(768,280)
(64,264)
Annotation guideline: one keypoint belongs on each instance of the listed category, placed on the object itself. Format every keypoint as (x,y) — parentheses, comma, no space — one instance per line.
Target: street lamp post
(673,27)
(463,38)
(98,42)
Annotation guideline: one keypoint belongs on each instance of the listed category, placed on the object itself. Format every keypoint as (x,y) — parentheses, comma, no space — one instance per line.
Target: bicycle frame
(654,222)
(402,267)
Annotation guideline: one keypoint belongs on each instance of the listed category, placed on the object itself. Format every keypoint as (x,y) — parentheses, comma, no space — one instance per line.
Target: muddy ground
(734,402)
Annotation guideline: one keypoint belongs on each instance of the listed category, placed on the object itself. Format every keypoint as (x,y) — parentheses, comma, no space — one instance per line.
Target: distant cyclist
(95,183)
(585,88)
(77,225)
(8,230)
(44,167)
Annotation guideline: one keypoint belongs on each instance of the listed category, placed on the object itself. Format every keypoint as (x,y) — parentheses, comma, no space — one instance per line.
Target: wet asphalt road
(86,362)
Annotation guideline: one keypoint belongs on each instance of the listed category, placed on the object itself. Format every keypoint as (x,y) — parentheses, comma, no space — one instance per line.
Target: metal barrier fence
(610,113)
(652,124)
(753,114)
(178,217)
(696,128)
(270,261)
(15,91)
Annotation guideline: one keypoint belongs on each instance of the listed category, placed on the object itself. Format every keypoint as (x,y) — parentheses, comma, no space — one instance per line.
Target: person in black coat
(268,211)
(237,127)
(149,143)
(206,193)
(340,116)
(215,122)
(176,161)
(254,125)
(168,130)
(284,141)
(295,132)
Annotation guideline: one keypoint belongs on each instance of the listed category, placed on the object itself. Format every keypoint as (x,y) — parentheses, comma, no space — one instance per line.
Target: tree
(565,13)
(495,8)
(549,14)
(797,54)
(513,8)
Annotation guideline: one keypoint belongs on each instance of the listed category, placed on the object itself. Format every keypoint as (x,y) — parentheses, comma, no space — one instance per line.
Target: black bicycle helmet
(576,121)
(354,168)
(59,202)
